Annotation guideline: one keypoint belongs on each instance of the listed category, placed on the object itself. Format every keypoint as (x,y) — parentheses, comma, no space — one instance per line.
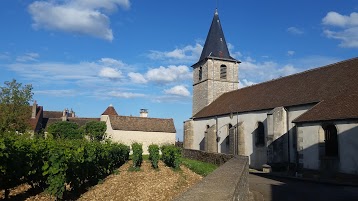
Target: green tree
(96,130)
(65,130)
(14,106)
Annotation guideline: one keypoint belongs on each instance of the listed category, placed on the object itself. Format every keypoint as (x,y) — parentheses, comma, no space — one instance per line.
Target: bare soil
(144,185)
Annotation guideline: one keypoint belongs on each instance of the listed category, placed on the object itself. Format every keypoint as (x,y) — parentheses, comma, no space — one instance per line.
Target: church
(305,121)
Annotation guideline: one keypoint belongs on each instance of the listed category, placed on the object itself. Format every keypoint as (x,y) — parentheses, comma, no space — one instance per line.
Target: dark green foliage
(154,155)
(171,156)
(199,167)
(14,106)
(96,130)
(137,154)
(53,164)
(65,130)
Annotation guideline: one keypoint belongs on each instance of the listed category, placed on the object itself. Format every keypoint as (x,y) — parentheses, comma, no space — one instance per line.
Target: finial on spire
(216,12)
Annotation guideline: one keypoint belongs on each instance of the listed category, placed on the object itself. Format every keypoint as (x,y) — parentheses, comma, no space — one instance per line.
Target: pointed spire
(110,111)
(215,44)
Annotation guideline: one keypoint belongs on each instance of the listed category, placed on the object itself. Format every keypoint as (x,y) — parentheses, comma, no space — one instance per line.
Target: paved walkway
(269,188)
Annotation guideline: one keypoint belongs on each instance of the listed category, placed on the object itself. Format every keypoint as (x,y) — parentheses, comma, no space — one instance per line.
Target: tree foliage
(14,106)
(95,130)
(65,130)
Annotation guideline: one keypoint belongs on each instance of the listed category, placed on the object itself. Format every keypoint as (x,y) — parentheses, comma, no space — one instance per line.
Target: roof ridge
(142,117)
(298,73)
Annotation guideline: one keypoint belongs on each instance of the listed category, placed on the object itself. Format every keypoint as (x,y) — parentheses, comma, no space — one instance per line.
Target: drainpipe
(217,133)
(288,138)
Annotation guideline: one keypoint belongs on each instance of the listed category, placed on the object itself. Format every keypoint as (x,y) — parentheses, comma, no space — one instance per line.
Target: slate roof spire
(215,44)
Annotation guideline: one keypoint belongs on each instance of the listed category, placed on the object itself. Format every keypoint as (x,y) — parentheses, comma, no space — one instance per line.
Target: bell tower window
(200,73)
(223,72)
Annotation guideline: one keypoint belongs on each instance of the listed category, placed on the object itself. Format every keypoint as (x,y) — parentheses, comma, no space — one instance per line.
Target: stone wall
(188,134)
(214,158)
(228,182)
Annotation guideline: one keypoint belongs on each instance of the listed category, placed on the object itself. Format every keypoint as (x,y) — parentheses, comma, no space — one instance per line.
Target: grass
(199,167)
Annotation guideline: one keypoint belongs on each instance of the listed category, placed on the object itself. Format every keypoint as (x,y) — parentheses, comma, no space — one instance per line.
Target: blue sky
(87,54)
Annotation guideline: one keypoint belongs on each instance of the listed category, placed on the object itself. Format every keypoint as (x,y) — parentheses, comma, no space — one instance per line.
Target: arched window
(223,72)
(330,140)
(260,134)
(200,73)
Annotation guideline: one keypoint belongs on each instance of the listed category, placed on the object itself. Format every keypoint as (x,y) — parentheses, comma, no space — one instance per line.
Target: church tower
(216,72)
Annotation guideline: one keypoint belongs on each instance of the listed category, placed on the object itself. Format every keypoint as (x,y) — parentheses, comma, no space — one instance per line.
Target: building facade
(308,121)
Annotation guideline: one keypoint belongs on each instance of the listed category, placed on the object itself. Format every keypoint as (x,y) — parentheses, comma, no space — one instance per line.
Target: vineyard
(56,166)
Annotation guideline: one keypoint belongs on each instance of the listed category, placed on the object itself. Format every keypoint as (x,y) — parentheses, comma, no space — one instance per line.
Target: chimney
(64,115)
(143,113)
(34,110)
(73,113)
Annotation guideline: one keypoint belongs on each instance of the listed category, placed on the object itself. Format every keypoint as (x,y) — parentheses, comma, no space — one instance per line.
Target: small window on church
(331,140)
(200,73)
(260,134)
(222,72)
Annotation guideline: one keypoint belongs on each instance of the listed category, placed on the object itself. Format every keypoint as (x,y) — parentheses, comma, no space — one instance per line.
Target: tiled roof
(110,111)
(34,122)
(82,121)
(46,122)
(53,114)
(312,86)
(337,108)
(128,123)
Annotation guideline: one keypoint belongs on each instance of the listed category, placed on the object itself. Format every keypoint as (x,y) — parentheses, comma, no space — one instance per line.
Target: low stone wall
(228,182)
(213,158)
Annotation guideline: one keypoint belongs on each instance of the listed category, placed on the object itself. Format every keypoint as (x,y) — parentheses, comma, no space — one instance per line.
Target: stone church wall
(310,135)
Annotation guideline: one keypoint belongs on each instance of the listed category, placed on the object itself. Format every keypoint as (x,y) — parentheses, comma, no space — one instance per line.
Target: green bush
(171,156)
(137,155)
(95,130)
(154,155)
(65,130)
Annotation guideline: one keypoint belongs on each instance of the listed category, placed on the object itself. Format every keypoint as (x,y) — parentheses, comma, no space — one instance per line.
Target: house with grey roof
(305,121)
(141,129)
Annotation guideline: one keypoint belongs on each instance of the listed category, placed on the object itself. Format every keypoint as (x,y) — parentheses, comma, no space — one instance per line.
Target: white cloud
(287,70)
(295,31)
(57,92)
(179,90)
(32,56)
(252,71)
(119,94)
(4,56)
(245,83)
(183,55)
(137,78)
(170,74)
(290,53)
(89,17)
(346,28)
(110,73)
(336,19)
(112,62)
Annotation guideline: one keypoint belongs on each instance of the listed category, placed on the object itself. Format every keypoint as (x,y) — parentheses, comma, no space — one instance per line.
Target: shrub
(65,130)
(171,156)
(56,162)
(154,155)
(96,130)
(137,155)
